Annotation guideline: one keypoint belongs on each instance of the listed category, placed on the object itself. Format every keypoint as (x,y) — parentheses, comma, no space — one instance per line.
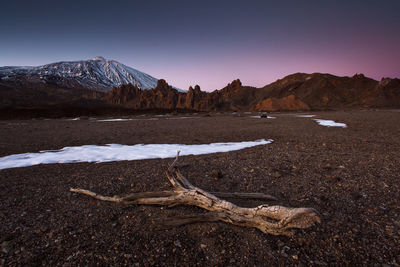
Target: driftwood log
(276,220)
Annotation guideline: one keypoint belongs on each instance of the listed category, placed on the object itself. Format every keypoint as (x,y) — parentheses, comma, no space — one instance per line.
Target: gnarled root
(276,220)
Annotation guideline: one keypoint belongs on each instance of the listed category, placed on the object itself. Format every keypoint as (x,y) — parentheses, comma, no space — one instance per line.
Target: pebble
(277,174)
(317,262)
(177,243)
(5,249)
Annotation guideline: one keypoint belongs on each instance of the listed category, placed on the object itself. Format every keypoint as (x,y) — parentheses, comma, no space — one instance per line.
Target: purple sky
(209,43)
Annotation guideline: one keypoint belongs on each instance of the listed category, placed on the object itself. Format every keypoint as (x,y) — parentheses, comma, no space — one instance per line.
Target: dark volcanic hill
(298,91)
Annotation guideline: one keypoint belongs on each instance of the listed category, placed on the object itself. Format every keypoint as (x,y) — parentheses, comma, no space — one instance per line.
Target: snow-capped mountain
(97,74)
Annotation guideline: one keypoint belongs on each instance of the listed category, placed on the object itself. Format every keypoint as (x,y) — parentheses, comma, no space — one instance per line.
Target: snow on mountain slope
(97,74)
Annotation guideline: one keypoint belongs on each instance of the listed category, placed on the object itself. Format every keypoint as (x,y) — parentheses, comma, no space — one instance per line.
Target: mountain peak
(99,58)
(97,74)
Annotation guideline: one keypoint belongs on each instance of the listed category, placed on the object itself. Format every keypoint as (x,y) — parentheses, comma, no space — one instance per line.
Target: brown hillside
(322,91)
(290,102)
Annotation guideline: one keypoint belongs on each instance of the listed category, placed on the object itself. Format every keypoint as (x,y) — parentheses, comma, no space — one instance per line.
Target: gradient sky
(209,43)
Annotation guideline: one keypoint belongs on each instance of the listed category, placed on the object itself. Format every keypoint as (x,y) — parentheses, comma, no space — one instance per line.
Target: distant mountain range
(298,91)
(97,74)
(100,84)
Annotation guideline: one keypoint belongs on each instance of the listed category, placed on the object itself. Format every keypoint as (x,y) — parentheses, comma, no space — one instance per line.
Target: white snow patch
(330,123)
(109,120)
(259,117)
(178,118)
(117,120)
(116,152)
(305,116)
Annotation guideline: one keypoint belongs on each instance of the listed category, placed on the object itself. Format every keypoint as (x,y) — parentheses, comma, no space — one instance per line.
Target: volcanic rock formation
(298,91)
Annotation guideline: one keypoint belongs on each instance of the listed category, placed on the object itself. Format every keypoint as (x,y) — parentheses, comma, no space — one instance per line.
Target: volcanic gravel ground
(349,175)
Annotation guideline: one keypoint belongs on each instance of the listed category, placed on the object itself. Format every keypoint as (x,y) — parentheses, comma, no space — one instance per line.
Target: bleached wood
(276,220)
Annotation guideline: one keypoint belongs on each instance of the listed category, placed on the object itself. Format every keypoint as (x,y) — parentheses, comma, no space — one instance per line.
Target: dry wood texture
(276,220)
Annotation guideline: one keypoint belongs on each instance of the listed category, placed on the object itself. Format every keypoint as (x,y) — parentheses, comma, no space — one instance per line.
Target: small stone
(177,243)
(295,257)
(277,174)
(328,166)
(203,246)
(4,247)
(218,175)
(322,263)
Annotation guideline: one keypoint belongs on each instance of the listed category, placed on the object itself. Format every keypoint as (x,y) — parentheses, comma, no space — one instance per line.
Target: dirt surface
(349,175)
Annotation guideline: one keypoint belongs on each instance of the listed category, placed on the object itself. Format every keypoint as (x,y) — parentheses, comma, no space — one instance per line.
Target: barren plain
(349,175)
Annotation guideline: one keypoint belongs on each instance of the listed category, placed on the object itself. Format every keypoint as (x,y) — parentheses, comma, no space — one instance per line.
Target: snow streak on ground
(178,118)
(150,119)
(134,119)
(305,116)
(108,120)
(259,117)
(116,152)
(116,120)
(330,123)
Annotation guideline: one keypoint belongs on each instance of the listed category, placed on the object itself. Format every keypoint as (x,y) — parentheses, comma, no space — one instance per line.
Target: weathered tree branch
(276,220)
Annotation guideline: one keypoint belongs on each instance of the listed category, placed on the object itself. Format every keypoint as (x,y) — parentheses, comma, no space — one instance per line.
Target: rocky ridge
(298,91)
